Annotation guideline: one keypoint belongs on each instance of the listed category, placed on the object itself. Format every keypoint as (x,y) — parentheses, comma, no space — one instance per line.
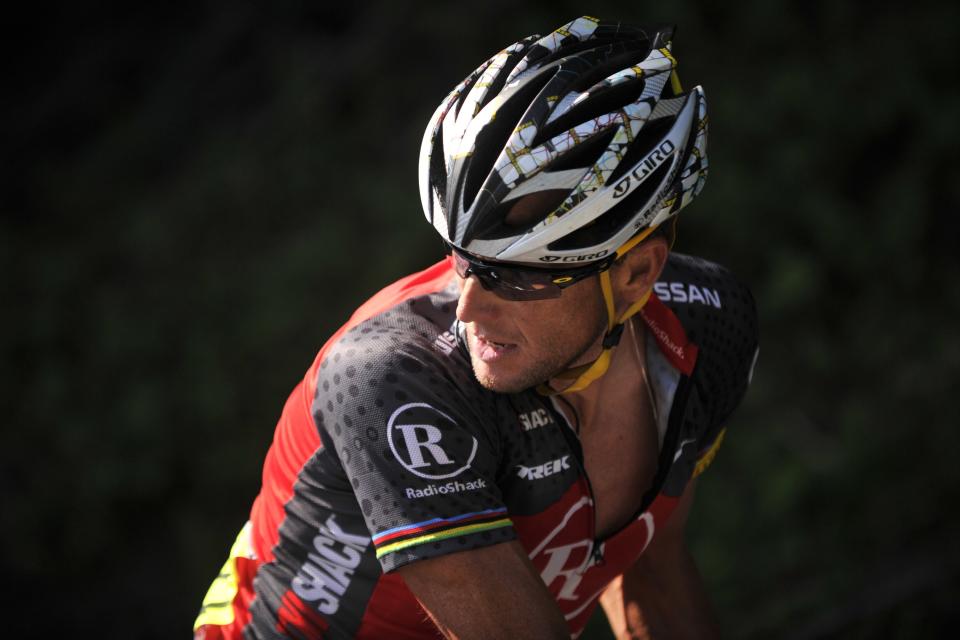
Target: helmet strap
(675,83)
(586,374)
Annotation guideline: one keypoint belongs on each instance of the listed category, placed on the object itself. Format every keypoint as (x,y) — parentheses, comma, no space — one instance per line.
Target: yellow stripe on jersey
(711,453)
(217,608)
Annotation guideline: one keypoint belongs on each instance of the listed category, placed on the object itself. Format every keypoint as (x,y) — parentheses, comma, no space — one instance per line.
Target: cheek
(567,325)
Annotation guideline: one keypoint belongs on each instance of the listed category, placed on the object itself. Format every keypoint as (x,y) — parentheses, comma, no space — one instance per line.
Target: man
(491,446)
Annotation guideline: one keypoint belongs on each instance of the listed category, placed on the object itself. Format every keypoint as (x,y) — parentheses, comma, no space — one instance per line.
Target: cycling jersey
(389,451)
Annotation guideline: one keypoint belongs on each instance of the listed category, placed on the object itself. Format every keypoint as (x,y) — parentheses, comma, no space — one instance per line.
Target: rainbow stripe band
(436,523)
(443,535)
(437,529)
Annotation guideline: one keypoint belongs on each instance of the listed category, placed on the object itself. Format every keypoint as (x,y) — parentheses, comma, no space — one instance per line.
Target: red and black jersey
(389,451)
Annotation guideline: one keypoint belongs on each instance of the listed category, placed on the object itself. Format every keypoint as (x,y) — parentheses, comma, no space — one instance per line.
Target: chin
(500,383)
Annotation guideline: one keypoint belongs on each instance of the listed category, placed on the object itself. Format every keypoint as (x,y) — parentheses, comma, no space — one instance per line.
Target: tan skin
(514,345)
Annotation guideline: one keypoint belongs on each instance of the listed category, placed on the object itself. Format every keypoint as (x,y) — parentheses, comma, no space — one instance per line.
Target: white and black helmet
(585,132)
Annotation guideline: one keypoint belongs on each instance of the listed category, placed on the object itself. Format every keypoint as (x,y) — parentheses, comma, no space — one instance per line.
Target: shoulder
(406,352)
(413,434)
(718,313)
(399,377)
(702,292)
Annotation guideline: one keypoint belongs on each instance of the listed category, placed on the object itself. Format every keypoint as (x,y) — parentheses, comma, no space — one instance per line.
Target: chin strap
(584,375)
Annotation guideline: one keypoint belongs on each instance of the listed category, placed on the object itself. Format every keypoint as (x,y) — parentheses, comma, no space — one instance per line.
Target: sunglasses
(521,282)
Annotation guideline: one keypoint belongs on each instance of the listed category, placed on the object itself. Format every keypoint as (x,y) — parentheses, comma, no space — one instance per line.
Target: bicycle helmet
(570,148)
(561,149)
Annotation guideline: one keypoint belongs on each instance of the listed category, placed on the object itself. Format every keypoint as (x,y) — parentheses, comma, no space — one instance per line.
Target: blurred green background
(194,199)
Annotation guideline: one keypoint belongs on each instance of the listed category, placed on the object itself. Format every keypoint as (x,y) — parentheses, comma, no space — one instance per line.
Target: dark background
(193,200)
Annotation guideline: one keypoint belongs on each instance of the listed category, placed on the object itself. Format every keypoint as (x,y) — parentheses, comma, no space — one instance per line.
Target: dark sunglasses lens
(509,293)
(527,285)
(506,282)
(460,264)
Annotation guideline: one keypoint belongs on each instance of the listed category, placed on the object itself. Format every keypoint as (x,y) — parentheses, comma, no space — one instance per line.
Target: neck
(625,376)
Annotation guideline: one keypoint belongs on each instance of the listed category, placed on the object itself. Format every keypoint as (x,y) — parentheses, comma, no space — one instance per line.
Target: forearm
(491,593)
(660,598)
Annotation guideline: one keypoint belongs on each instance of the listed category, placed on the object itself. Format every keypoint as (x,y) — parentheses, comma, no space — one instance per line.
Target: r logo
(563,559)
(422,439)
(566,562)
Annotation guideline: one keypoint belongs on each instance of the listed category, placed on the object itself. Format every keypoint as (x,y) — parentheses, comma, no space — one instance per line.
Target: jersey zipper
(596,546)
(573,441)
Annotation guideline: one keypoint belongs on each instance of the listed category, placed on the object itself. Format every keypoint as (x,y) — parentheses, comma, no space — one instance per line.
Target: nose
(475,303)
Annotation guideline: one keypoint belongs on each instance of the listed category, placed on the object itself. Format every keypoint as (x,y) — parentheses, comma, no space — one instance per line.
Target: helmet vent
(497,84)
(610,59)
(602,102)
(647,139)
(584,154)
(438,172)
(522,214)
(468,86)
(491,140)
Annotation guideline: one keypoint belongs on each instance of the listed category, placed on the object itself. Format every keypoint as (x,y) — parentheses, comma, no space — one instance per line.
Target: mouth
(489,350)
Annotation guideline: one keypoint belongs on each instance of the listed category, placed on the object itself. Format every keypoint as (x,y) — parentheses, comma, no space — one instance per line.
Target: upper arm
(666,554)
(412,437)
(670,537)
(412,442)
(661,594)
(491,592)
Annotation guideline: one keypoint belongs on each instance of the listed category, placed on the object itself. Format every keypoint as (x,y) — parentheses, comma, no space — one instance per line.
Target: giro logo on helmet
(657,157)
(583,258)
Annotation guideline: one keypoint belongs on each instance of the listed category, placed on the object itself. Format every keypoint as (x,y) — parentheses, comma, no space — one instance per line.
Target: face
(515,345)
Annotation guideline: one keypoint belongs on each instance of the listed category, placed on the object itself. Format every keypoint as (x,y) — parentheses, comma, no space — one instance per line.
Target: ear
(635,273)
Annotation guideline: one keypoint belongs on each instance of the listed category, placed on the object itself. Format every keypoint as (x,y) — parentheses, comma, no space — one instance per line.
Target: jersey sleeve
(729,339)
(719,315)
(408,424)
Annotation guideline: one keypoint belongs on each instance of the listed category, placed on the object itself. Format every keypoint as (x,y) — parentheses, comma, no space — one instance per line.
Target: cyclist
(490,447)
